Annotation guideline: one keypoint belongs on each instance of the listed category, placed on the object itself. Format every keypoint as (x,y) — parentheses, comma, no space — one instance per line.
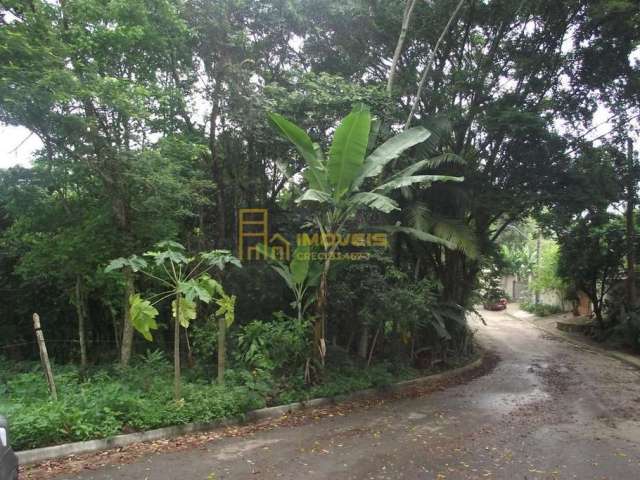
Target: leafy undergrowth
(75,464)
(108,400)
(541,309)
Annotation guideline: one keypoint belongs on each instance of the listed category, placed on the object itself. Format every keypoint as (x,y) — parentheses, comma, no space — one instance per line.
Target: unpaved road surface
(548,410)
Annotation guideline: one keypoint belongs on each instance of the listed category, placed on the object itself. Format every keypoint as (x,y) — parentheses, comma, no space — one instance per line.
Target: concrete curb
(621,356)
(47,453)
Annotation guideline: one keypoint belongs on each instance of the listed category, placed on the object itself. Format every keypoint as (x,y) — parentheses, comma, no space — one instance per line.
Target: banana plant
(347,179)
(186,280)
(301,275)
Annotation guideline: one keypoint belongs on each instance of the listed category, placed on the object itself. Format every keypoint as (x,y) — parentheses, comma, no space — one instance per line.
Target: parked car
(496,305)
(8,459)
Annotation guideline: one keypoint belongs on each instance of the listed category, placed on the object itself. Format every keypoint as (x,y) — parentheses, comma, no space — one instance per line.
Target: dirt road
(549,410)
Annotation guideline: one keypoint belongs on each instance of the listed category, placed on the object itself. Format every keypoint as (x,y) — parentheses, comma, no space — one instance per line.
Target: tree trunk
(217,166)
(631,248)
(406,17)
(116,328)
(429,65)
(597,310)
(127,327)
(190,361)
(176,352)
(222,347)
(538,242)
(81,312)
(319,327)
(363,346)
(373,346)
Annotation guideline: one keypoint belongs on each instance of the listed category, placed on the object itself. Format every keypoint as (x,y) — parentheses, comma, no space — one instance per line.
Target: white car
(8,459)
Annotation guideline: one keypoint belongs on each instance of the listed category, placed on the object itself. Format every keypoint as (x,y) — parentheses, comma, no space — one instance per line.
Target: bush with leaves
(592,256)
(280,345)
(540,309)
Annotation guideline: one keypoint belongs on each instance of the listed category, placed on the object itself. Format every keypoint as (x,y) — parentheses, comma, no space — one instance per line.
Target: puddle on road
(507,402)
(521,386)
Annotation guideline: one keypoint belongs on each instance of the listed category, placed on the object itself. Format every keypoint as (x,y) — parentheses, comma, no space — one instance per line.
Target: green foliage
(545,275)
(143,316)
(204,338)
(540,309)
(129,159)
(188,281)
(346,379)
(108,402)
(625,322)
(592,256)
(337,181)
(301,275)
(279,345)
(409,315)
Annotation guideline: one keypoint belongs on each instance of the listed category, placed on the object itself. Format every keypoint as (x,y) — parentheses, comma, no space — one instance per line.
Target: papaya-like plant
(186,281)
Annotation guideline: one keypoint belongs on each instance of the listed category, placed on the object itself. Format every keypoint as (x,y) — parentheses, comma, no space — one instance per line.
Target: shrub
(540,309)
(279,345)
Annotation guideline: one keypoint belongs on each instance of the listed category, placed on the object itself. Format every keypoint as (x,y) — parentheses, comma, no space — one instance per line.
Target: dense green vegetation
(109,401)
(160,119)
(540,309)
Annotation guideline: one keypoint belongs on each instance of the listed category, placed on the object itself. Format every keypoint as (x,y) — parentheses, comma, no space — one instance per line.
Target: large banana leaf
(452,230)
(315,172)
(419,235)
(445,158)
(299,265)
(390,150)
(376,201)
(312,195)
(348,149)
(407,180)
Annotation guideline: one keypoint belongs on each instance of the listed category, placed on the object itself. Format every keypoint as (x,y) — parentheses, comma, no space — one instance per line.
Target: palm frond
(454,231)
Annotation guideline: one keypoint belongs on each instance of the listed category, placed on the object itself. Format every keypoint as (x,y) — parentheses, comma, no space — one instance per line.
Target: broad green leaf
(312,195)
(192,290)
(143,316)
(227,304)
(315,272)
(373,133)
(348,149)
(376,201)
(172,256)
(445,158)
(116,264)
(220,258)
(395,181)
(285,273)
(211,285)
(170,245)
(406,181)
(299,265)
(188,311)
(134,262)
(419,235)
(315,172)
(390,150)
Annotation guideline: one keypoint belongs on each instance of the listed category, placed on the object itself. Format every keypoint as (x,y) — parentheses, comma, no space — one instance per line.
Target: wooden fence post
(44,356)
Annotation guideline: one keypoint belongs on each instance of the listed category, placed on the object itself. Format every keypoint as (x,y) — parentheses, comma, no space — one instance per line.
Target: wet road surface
(548,410)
